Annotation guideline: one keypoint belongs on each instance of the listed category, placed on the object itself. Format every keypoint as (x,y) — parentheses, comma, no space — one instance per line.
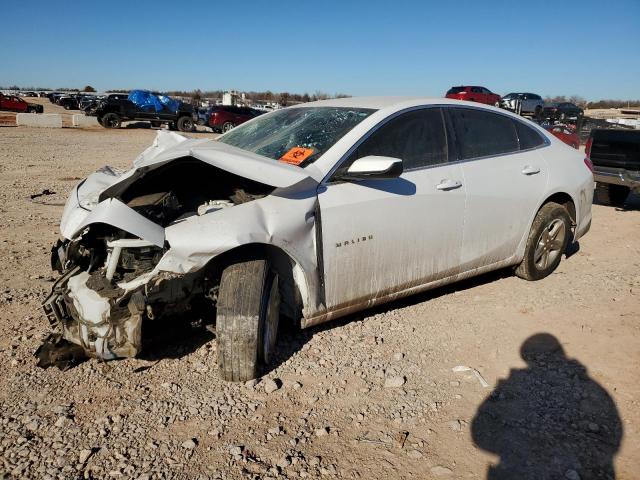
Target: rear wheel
(227,126)
(111,120)
(614,195)
(185,124)
(248,313)
(547,242)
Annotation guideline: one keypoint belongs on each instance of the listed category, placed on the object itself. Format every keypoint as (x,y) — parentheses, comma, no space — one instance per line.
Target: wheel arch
(290,270)
(566,201)
(561,197)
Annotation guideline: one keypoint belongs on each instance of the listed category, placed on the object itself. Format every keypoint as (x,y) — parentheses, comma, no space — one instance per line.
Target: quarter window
(417,137)
(481,134)
(527,136)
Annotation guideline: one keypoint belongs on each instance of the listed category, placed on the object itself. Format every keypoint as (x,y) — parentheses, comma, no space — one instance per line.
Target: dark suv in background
(223,118)
(562,111)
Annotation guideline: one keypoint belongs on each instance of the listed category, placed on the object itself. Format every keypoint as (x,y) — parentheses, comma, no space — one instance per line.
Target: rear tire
(548,238)
(111,120)
(248,312)
(185,124)
(227,126)
(612,195)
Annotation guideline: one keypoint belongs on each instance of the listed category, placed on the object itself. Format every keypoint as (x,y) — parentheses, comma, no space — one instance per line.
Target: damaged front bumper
(104,327)
(101,308)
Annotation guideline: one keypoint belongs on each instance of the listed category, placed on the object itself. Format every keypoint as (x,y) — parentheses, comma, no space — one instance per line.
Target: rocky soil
(374,395)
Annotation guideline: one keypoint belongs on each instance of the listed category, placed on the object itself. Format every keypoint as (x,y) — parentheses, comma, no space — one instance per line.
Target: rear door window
(417,137)
(481,134)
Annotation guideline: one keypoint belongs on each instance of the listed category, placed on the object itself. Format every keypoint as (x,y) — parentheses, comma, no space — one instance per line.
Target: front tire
(612,195)
(248,313)
(548,238)
(111,120)
(185,124)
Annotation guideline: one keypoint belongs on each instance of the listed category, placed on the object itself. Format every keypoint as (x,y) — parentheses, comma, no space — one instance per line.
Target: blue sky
(372,47)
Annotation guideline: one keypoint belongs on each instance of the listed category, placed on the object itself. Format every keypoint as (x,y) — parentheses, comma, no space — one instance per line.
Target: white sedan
(310,213)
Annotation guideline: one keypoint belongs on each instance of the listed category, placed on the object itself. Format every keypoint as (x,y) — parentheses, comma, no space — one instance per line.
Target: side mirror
(374,167)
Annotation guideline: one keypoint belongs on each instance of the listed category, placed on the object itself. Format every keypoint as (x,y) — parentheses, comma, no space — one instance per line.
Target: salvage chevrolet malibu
(310,213)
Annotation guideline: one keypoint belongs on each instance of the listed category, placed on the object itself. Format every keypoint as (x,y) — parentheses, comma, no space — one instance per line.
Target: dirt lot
(370,396)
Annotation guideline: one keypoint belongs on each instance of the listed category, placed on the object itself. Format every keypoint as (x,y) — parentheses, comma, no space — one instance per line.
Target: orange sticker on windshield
(296,155)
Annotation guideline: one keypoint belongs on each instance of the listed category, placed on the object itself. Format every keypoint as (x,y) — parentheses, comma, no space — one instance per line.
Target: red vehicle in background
(16,104)
(223,118)
(474,94)
(566,134)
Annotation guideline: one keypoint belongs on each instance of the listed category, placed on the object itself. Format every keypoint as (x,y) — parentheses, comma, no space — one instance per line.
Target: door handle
(529,170)
(448,184)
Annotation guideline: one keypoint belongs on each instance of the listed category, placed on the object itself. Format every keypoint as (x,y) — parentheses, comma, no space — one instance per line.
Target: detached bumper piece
(95,319)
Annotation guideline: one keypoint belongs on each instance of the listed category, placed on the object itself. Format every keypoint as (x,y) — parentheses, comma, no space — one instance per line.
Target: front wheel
(111,120)
(185,124)
(547,242)
(248,313)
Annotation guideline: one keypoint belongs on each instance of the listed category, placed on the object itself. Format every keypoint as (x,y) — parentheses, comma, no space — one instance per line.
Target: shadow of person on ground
(549,420)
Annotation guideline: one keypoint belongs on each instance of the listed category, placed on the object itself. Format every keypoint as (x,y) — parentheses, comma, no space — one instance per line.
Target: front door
(383,236)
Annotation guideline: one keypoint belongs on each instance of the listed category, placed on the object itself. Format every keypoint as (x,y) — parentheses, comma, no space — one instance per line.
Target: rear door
(505,179)
(383,236)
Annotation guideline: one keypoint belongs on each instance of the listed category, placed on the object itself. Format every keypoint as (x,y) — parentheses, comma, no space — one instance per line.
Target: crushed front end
(88,306)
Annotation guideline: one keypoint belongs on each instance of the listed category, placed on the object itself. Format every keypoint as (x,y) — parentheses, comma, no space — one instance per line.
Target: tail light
(588,163)
(587,147)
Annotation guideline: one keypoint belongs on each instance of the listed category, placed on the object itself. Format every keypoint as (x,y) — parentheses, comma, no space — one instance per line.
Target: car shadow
(630,205)
(174,337)
(549,420)
(291,339)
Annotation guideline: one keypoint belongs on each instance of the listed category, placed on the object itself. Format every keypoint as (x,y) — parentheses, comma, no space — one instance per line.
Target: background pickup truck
(615,155)
(111,112)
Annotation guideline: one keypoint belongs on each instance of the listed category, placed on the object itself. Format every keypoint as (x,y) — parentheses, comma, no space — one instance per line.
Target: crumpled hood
(100,187)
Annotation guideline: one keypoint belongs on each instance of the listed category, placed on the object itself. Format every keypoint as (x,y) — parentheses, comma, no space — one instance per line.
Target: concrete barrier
(46,120)
(84,121)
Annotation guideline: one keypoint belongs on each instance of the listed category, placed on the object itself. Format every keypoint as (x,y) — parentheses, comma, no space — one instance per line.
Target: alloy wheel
(550,244)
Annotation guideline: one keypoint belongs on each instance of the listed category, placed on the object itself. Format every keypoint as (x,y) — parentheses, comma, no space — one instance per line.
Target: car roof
(378,103)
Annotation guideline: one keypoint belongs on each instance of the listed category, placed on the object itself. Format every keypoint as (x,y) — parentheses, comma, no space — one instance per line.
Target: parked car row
(522,103)
(70,101)
(562,119)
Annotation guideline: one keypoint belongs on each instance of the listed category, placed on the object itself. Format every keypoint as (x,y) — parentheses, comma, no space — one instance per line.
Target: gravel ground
(369,396)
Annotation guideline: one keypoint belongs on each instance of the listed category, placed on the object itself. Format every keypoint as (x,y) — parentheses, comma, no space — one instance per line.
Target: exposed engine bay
(93,303)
